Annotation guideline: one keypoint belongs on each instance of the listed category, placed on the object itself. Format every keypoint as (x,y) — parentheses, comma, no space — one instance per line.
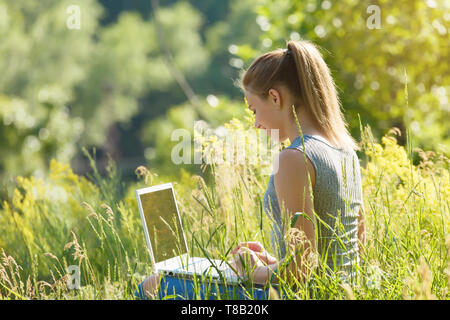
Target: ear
(275,97)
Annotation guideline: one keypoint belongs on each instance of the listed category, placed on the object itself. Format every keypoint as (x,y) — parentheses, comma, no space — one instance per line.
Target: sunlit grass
(64,219)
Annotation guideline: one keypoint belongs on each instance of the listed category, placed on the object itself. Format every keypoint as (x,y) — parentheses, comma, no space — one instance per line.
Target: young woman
(318,174)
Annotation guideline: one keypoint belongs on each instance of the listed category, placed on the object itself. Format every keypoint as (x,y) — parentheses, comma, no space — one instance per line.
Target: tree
(394,75)
(42,61)
(63,87)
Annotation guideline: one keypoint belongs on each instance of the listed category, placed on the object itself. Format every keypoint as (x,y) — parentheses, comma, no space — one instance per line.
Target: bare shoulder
(293,163)
(292,179)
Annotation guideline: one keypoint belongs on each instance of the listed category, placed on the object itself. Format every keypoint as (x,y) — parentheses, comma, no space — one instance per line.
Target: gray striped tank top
(337,201)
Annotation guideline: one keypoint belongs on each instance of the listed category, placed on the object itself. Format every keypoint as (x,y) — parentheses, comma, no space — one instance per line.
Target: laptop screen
(163,224)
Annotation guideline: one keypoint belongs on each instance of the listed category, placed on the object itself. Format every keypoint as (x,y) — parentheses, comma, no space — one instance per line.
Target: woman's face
(267,115)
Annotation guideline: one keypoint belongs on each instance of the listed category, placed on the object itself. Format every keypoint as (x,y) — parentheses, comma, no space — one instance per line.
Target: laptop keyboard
(204,266)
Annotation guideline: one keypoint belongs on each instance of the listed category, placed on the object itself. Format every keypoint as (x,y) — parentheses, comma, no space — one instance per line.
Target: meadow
(49,224)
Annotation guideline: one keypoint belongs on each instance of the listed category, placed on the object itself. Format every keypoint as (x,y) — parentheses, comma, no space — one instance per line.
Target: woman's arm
(361,227)
(292,185)
(294,182)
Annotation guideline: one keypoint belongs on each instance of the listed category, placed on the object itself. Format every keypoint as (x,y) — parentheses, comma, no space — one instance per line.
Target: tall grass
(62,220)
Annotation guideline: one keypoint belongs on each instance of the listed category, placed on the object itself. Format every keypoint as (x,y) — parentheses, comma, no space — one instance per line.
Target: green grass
(93,223)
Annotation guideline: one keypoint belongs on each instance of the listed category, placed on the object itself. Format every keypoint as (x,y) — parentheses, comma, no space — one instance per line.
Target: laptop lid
(161,220)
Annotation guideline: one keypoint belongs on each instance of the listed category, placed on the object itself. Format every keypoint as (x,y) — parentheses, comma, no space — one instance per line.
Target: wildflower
(143,171)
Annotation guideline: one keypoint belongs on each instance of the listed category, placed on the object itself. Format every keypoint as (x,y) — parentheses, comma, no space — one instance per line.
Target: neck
(306,126)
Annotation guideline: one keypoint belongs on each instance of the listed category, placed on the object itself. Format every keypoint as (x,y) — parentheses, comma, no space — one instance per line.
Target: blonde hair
(302,70)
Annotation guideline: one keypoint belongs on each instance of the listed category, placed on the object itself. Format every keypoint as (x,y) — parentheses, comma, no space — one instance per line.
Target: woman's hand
(253,262)
(258,249)
(151,285)
(245,261)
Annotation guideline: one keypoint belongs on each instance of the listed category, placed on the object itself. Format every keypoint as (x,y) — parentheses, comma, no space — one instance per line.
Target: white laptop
(167,242)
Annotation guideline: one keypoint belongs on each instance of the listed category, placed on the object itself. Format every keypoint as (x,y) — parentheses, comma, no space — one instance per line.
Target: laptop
(166,239)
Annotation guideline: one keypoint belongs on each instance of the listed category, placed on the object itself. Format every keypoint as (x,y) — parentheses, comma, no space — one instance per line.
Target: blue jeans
(175,288)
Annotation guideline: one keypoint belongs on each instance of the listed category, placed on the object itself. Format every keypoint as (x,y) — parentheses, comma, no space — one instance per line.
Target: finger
(240,257)
(253,257)
(235,249)
(248,256)
(240,251)
(254,246)
(248,244)
(237,265)
(245,260)
(261,255)
(240,245)
(244,251)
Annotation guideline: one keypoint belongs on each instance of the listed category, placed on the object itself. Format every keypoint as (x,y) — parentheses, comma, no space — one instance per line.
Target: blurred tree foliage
(157,134)
(221,98)
(395,75)
(42,62)
(62,88)
(106,84)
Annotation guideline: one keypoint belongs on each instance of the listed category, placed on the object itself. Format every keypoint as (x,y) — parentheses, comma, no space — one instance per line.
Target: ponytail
(301,68)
